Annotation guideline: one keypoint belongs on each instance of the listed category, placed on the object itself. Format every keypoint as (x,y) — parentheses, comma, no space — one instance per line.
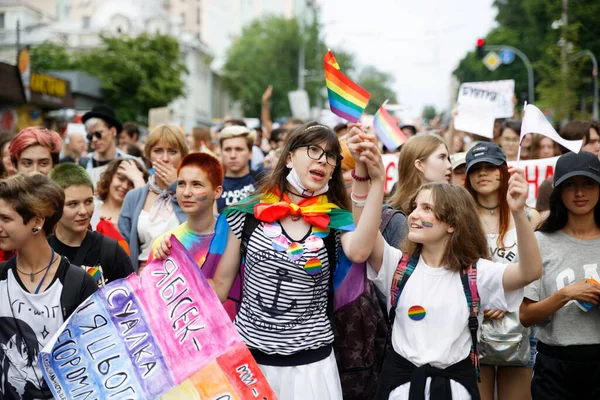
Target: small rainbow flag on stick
(387,130)
(346,98)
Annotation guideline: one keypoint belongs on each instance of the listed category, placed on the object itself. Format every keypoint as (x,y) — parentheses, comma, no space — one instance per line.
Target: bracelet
(359,196)
(358,178)
(357,203)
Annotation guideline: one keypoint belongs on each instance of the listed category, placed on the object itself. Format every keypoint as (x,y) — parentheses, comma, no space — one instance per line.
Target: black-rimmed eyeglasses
(316,152)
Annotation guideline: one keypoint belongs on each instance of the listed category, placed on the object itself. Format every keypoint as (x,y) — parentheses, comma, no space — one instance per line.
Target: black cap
(105,113)
(485,152)
(577,164)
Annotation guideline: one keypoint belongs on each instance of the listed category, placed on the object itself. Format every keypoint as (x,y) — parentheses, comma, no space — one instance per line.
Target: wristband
(357,203)
(358,178)
(359,196)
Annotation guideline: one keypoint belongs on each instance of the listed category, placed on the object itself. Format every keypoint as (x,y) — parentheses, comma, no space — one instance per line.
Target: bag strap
(108,251)
(331,246)
(71,298)
(468,279)
(83,249)
(403,271)
(386,216)
(250,224)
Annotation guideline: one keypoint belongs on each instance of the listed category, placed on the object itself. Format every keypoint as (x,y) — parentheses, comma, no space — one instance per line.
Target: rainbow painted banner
(346,98)
(162,335)
(387,130)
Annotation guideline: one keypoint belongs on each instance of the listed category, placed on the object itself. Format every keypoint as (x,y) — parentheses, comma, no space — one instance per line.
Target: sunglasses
(97,134)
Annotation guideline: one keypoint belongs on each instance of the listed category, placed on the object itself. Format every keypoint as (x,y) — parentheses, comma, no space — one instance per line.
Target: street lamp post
(527,63)
(594,75)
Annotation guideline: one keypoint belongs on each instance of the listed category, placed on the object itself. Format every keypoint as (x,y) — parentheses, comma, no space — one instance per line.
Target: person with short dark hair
(6,166)
(240,182)
(99,255)
(35,149)
(39,289)
(509,137)
(588,131)
(130,134)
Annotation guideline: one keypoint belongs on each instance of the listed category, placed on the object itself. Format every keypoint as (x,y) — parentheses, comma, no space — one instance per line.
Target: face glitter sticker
(416,313)
(313,243)
(427,223)
(272,230)
(295,251)
(313,266)
(281,243)
(319,232)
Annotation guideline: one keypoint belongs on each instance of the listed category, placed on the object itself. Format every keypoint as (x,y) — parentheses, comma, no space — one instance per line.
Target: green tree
(379,84)
(429,113)
(267,53)
(137,73)
(48,56)
(528,25)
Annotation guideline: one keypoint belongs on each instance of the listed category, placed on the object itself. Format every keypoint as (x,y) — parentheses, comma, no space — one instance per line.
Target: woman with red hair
(35,149)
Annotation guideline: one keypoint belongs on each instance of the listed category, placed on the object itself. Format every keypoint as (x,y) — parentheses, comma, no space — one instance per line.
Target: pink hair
(32,136)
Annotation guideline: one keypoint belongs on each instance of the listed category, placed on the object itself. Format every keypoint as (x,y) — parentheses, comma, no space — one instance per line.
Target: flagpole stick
(521,138)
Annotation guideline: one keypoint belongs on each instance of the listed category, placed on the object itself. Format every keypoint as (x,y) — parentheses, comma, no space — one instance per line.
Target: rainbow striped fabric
(346,98)
(387,130)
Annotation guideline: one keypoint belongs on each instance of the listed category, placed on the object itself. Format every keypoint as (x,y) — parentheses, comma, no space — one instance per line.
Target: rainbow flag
(387,130)
(346,98)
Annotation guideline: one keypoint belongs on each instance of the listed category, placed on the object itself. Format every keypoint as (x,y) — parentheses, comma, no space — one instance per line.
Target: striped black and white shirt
(283,309)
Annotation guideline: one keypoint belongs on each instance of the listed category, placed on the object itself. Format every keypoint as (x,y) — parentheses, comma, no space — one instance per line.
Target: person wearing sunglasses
(236,149)
(102,128)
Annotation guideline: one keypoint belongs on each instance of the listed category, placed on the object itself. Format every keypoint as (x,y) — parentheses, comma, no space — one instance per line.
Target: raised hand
(130,170)
(518,188)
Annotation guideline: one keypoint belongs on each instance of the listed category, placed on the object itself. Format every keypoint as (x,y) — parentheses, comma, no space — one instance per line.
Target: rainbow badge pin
(295,251)
(272,230)
(313,266)
(320,232)
(416,313)
(313,243)
(95,273)
(281,243)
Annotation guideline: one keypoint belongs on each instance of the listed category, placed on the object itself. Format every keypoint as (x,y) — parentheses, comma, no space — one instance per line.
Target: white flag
(534,121)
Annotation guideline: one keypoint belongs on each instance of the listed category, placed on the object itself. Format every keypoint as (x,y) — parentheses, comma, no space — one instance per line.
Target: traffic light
(480,45)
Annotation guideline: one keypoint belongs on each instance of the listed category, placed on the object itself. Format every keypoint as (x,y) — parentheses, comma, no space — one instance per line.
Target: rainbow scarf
(349,279)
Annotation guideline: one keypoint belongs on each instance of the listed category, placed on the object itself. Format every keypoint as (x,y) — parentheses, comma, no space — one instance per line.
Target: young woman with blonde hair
(422,159)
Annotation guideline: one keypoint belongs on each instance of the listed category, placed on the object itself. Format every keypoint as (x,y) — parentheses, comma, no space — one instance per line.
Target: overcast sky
(419,41)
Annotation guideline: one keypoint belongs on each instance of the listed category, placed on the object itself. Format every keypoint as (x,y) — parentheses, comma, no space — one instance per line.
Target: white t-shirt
(149,230)
(442,337)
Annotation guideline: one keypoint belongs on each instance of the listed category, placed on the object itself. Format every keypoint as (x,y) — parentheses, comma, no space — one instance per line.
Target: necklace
(33,274)
(492,210)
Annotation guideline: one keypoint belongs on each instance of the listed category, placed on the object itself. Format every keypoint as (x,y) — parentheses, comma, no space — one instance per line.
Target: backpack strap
(386,216)
(250,224)
(331,246)
(403,271)
(468,279)
(108,251)
(70,297)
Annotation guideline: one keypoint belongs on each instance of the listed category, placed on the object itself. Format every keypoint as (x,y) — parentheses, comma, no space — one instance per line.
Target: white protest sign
(500,93)
(390,162)
(536,172)
(299,104)
(478,120)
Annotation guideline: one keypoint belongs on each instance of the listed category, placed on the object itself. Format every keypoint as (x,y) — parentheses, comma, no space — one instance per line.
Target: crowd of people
(502,297)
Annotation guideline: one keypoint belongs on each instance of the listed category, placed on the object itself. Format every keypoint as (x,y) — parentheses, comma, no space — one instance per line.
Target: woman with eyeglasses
(152,209)
(289,235)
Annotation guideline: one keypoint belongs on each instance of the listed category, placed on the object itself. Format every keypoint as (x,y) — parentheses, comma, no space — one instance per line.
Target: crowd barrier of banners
(162,335)
(536,172)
